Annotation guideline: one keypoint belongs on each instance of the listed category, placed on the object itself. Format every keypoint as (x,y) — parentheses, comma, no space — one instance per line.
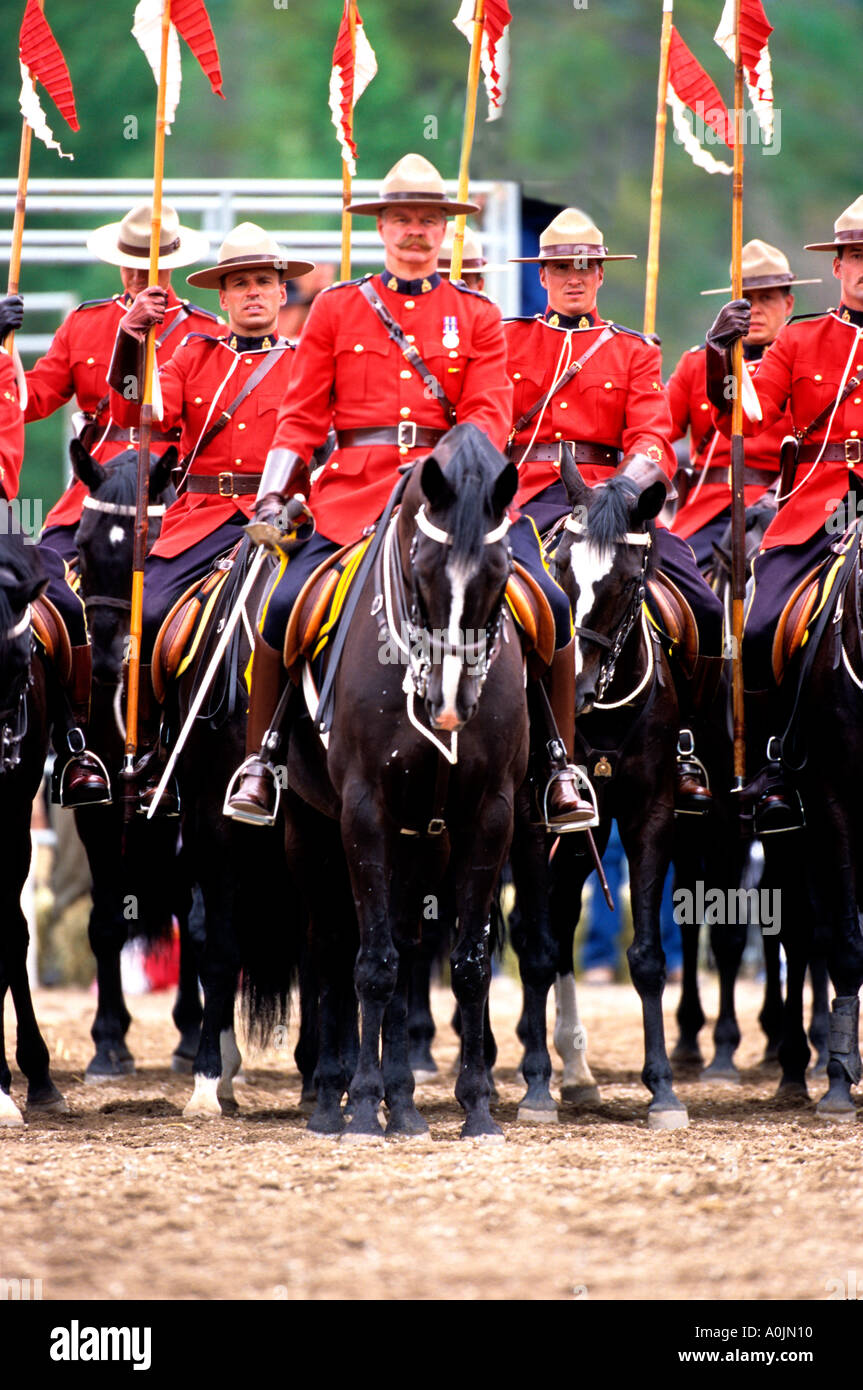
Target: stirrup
(689,764)
(249,817)
(582,783)
(77,746)
(777,787)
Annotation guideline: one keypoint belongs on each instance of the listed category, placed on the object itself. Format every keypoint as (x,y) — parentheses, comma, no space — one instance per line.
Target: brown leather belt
(407,435)
(752,477)
(224,484)
(583,452)
(130,436)
(848,451)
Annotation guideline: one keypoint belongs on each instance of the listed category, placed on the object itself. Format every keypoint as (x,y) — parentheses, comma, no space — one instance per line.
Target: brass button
(856,400)
(238,461)
(248,361)
(859,367)
(241,426)
(516,376)
(608,385)
(335,463)
(818,376)
(90,361)
(854,434)
(405,411)
(358,347)
(409,304)
(405,375)
(198,400)
(558,435)
(410,337)
(403,448)
(453,352)
(563,405)
(704,405)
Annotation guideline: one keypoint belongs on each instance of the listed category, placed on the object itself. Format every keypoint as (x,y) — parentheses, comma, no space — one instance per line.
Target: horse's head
(602,562)
(456,559)
(105,539)
(21,583)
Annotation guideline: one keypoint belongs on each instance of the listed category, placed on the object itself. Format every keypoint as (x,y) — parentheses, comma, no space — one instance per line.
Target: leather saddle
(671,613)
(53,636)
(321,600)
(801,611)
(180,636)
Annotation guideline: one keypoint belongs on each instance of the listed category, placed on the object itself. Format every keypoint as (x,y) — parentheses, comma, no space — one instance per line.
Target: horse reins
(614,646)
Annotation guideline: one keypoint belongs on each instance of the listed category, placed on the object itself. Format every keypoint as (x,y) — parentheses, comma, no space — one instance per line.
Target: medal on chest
(450,331)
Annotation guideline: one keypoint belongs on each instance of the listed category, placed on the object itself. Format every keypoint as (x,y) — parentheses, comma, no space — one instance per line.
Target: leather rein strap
(408,351)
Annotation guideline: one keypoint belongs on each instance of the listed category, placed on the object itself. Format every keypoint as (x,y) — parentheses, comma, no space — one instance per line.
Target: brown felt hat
(764,268)
(847,229)
(473,259)
(127,243)
(413,182)
(571,236)
(249,247)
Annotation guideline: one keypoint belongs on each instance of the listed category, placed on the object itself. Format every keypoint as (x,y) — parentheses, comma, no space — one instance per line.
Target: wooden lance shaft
(14,278)
(738,508)
(652,279)
(347,220)
(146,426)
(467,139)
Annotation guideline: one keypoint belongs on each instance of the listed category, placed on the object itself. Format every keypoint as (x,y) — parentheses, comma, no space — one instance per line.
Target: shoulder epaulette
(697,347)
(205,337)
(464,289)
(93,303)
(633,332)
(196,309)
(523,318)
(818,314)
(343,284)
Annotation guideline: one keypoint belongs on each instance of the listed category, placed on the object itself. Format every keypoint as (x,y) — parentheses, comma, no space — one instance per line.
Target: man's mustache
(419,242)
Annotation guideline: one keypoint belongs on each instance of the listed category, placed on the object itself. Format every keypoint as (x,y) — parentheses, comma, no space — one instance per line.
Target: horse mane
(471,472)
(121,479)
(609,515)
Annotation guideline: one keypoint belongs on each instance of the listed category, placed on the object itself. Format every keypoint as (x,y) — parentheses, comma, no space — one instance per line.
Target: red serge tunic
(11,429)
(616,399)
(76,364)
(349,373)
(804,370)
(690,410)
(203,377)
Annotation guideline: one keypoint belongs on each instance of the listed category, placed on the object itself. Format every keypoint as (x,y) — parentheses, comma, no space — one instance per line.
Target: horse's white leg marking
(204,1102)
(231,1063)
(570,1035)
(9,1113)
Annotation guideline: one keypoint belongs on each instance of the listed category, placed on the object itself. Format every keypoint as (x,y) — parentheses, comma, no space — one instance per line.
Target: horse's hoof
(204,1103)
(326,1124)
(185,1066)
(48,1105)
(837,1117)
(306,1105)
(423,1074)
(836,1109)
(687,1054)
(668,1119)
(819,1067)
(111,1065)
(492,1137)
(356,1136)
(228,1105)
(721,1073)
(10,1115)
(537,1114)
(582,1097)
(792,1091)
(410,1124)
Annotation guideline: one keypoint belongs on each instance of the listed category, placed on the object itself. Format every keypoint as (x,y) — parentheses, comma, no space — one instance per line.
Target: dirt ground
(124,1199)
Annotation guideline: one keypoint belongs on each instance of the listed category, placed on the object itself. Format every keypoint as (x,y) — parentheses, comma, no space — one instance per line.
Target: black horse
(423,761)
(129,899)
(23,746)
(626,730)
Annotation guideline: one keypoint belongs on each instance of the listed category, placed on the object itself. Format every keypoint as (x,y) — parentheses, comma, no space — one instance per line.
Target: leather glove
(147,310)
(731,323)
(11,315)
(283,513)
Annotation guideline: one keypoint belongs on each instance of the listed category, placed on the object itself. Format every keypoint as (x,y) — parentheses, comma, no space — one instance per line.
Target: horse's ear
(505,488)
(161,470)
(85,467)
(577,489)
(435,487)
(26,591)
(649,502)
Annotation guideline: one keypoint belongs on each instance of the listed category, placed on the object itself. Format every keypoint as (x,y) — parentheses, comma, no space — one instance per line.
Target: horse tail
(271,923)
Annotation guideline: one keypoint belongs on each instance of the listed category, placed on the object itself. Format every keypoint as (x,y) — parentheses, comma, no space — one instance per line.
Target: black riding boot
(80,777)
(564,808)
(693,796)
(777,804)
(255,798)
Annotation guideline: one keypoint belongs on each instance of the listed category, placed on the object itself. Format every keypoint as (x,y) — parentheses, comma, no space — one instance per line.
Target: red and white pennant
(41,60)
(351,74)
(190,19)
(494,54)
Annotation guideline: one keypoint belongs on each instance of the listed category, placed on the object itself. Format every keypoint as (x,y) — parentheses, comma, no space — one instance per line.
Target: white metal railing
(216,205)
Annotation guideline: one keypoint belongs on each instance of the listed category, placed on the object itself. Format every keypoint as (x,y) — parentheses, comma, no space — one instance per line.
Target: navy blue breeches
(166,577)
(62,597)
(62,540)
(292,576)
(673,556)
(701,542)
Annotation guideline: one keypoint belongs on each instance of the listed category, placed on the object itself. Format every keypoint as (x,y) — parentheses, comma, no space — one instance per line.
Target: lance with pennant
(658,173)
(467,139)
(354,66)
(738,507)
(346,171)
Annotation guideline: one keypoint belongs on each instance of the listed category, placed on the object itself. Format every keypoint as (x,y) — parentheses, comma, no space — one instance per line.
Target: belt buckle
(404,441)
(226,484)
(134,436)
(850,457)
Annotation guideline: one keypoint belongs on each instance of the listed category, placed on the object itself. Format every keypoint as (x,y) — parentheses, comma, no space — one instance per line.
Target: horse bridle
(614,645)
(13,716)
(477,656)
(124,605)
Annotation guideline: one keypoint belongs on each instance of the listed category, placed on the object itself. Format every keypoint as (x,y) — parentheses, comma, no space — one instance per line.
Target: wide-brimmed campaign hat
(127,243)
(847,229)
(764,268)
(249,247)
(413,182)
(473,260)
(571,236)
